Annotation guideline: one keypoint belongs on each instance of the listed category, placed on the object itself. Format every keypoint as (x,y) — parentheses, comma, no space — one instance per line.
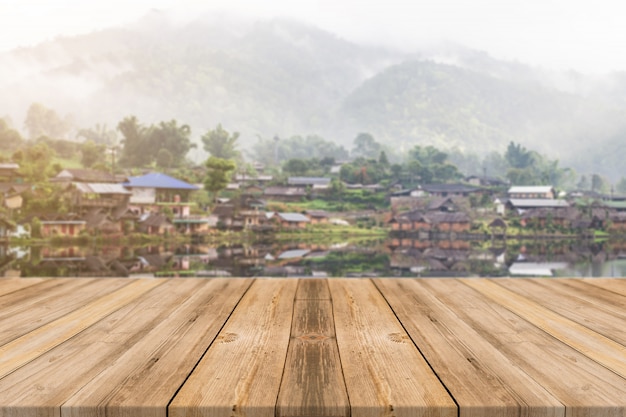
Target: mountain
(280,77)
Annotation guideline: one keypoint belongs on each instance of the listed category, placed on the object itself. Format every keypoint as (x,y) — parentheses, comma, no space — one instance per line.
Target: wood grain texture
(576,304)
(583,386)
(148,374)
(481,379)
(43,385)
(384,372)
(312,383)
(35,306)
(599,348)
(241,372)
(9,285)
(313,289)
(20,351)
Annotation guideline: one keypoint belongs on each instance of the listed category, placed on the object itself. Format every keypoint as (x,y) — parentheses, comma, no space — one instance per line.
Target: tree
(172,137)
(518,157)
(10,139)
(141,145)
(92,153)
(164,158)
(221,144)
(365,146)
(218,174)
(41,121)
(99,134)
(296,166)
(134,152)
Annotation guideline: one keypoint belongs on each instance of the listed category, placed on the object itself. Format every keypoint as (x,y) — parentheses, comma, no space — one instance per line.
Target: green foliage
(141,145)
(10,139)
(276,150)
(35,162)
(92,153)
(221,144)
(42,121)
(218,174)
(365,146)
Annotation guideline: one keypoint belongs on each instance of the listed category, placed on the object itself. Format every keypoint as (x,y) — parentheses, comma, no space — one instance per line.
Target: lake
(389,257)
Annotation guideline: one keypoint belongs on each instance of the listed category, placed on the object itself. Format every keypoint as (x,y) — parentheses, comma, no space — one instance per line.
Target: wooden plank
(482,381)
(384,372)
(583,386)
(600,348)
(241,372)
(31,345)
(312,383)
(8,285)
(146,377)
(576,304)
(610,284)
(43,385)
(38,306)
(312,289)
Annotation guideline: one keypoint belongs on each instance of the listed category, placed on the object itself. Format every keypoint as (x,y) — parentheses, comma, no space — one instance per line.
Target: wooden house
(154,191)
(84,175)
(85,196)
(532,192)
(317,216)
(449,222)
(291,220)
(62,227)
(155,224)
(285,194)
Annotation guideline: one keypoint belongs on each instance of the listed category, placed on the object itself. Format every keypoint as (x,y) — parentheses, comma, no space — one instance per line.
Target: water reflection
(393,257)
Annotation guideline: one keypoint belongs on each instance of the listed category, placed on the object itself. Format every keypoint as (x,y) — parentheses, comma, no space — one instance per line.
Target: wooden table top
(312,347)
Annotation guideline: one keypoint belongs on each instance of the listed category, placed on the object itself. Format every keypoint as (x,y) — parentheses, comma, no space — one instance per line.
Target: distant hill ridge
(281,77)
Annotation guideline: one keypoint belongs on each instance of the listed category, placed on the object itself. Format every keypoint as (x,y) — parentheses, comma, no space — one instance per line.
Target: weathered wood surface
(312,347)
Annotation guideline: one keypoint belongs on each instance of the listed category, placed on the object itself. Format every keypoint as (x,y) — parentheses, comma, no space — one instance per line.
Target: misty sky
(560,34)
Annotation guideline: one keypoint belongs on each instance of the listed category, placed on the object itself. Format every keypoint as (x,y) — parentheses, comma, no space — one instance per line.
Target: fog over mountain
(282,77)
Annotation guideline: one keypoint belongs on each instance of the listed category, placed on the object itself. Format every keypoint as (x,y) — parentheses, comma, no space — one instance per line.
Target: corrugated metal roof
(530,189)
(158,180)
(308,181)
(537,202)
(293,217)
(101,188)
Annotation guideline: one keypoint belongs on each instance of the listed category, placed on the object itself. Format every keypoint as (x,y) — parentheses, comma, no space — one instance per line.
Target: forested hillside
(282,78)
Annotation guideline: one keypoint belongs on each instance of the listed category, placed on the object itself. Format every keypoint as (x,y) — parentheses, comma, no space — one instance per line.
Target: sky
(584,36)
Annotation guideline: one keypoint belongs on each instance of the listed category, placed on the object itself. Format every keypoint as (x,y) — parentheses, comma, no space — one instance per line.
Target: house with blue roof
(153,191)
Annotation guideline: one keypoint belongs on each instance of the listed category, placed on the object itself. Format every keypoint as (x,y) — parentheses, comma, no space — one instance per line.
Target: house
(412,220)
(154,191)
(531,192)
(449,222)
(317,216)
(520,205)
(84,175)
(196,225)
(86,196)
(62,227)
(315,183)
(155,224)
(450,190)
(542,217)
(284,193)
(101,221)
(291,220)
(225,214)
(11,195)
(9,172)
(618,222)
